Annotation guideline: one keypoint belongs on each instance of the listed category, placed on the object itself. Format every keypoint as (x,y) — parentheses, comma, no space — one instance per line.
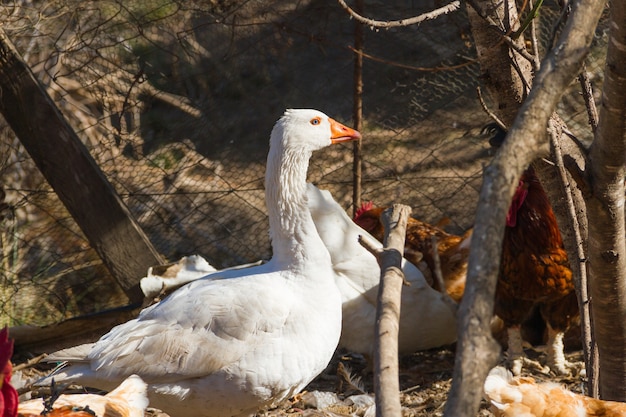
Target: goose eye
(316,121)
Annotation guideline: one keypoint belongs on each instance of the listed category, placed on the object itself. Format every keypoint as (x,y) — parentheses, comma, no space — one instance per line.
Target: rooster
(534,270)
(523,397)
(453,250)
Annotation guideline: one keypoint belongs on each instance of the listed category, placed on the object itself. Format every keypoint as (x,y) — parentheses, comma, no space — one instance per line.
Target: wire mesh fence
(176,100)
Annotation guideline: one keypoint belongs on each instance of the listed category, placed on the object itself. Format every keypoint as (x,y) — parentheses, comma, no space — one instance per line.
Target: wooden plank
(73,174)
(72,332)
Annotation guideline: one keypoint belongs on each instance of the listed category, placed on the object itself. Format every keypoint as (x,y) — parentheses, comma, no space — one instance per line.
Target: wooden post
(73,174)
(386,375)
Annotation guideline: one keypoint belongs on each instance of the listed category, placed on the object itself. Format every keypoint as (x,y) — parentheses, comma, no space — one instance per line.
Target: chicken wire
(175,101)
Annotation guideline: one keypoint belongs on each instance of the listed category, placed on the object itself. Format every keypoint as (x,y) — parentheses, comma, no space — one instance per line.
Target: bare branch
(535,45)
(411,67)
(454,306)
(589,346)
(519,49)
(488,111)
(379,24)
(386,382)
(371,247)
(590,104)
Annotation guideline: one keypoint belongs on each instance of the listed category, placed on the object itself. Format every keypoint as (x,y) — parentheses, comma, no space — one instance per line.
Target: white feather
(226,347)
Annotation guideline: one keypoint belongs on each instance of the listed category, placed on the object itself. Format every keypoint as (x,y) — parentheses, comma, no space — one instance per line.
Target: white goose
(426,319)
(227,347)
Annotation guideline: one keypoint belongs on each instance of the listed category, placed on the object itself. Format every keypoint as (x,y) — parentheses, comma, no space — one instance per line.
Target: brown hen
(523,397)
(534,270)
(129,399)
(453,250)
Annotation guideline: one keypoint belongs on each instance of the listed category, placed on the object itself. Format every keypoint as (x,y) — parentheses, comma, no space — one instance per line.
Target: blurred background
(176,100)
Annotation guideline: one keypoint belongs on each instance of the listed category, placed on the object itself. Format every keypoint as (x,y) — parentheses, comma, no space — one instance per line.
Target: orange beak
(340,133)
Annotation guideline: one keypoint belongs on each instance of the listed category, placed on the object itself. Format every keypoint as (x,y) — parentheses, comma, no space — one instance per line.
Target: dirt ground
(425,379)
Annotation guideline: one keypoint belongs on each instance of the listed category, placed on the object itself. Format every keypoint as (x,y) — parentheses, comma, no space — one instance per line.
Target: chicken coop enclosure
(176,100)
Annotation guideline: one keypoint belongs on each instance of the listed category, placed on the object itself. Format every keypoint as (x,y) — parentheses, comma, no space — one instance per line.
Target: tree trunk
(526,140)
(607,247)
(506,84)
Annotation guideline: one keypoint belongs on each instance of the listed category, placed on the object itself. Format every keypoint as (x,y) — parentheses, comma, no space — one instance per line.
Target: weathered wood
(386,376)
(73,174)
(72,332)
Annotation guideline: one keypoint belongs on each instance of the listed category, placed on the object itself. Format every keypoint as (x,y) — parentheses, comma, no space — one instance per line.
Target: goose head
(296,135)
(310,130)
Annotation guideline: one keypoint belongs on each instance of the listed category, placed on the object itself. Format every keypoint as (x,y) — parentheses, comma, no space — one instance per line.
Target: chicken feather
(129,399)
(453,250)
(523,397)
(534,270)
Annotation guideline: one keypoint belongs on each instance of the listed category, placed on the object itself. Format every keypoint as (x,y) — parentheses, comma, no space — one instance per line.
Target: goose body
(228,347)
(426,319)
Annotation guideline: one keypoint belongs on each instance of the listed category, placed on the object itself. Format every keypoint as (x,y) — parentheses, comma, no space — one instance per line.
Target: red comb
(6,347)
(8,394)
(364,207)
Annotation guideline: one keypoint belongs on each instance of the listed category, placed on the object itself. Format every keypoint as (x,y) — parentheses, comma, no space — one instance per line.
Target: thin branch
(590,103)
(518,48)
(489,112)
(371,247)
(535,45)
(379,24)
(29,363)
(410,67)
(529,19)
(454,306)
(357,114)
(589,346)
(437,269)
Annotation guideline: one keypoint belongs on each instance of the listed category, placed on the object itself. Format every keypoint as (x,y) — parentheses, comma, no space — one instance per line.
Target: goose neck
(292,230)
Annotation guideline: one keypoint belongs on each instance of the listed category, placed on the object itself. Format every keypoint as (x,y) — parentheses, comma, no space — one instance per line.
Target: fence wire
(175,101)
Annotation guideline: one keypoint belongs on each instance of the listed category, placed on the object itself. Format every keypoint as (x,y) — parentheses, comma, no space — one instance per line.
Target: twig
(29,363)
(379,24)
(590,103)
(529,19)
(371,247)
(410,67)
(491,114)
(519,49)
(535,45)
(439,275)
